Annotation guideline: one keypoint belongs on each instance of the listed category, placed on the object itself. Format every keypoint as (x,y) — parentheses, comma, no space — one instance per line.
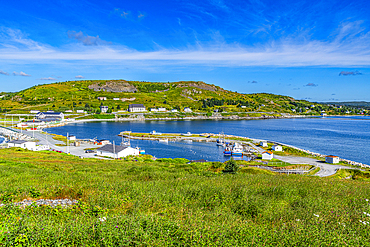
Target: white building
(243,106)
(68,111)
(332,159)
(268,155)
(162,109)
(80,111)
(115,98)
(277,148)
(103,108)
(187,109)
(263,144)
(72,138)
(22,144)
(50,116)
(115,151)
(34,111)
(136,108)
(153,109)
(174,110)
(102,98)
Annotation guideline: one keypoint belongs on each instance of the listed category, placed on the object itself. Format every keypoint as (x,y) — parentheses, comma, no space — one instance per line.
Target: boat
(155,133)
(187,134)
(228,150)
(125,142)
(141,151)
(221,141)
(237,149)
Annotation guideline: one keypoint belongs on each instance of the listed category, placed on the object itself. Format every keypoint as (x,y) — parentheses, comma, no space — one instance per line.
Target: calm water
(347,137)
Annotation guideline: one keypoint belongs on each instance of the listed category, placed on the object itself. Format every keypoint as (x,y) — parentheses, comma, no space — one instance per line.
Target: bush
(231,166)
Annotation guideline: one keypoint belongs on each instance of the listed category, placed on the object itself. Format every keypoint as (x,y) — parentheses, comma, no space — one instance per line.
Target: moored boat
(237,149)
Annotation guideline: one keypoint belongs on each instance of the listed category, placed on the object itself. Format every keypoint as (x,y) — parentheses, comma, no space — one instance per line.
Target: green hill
(199,96)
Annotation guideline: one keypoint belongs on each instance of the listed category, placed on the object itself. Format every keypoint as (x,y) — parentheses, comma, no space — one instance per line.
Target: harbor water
(346,137)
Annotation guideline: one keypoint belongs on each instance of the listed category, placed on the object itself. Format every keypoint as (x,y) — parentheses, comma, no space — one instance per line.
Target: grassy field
(141,202)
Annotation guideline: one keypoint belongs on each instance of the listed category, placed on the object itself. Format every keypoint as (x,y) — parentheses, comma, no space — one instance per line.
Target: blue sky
(314,50)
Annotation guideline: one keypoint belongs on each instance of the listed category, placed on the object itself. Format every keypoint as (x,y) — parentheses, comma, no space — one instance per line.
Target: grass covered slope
(168,202)
(195,94)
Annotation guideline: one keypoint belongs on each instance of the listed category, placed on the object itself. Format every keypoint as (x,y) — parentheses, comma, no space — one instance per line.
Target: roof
(332,156)
(109,148)
(269,152)
(50,113)
(18,141)
(136,105)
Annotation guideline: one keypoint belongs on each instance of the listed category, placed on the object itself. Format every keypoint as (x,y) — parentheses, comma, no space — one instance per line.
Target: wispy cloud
(47,79)
(122,13)
(140,15)
(252,81)
(79,77)
(3,73)
(311,85)
(86,39)
(20,74)
(297,88)
(286,52)
(345,73)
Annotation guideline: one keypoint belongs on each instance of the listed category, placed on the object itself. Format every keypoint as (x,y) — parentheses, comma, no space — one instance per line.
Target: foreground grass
(161,203)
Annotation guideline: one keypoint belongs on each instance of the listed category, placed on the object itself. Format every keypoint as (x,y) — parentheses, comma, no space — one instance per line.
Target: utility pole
(114,151)
(67,143)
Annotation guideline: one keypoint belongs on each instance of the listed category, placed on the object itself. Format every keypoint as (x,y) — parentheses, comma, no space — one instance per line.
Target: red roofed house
(267,155)
(332,159)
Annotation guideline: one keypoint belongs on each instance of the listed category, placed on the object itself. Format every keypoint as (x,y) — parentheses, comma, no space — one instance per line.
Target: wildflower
(103,219)
(316,215)
(116,226)
(367,200)
(298,220)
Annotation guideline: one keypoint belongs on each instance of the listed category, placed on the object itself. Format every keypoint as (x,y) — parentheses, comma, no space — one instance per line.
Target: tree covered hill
(199,96)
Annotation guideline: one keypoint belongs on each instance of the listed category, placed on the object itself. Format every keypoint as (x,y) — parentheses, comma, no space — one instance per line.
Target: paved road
(325,169)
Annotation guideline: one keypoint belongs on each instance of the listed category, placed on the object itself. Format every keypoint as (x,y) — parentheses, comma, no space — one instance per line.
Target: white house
(50,116)
(324,114)
(80,111)
(102,98)
(115,151)
(136,108)
(187,109)
(332,159)
(263,144)
(115,98)
(162,109)
(243,106)
(22,144)
(68,111)
(72,138)
(277,148)
(34,111)
(153,109)
(267,155)
(174,110)
(103,108)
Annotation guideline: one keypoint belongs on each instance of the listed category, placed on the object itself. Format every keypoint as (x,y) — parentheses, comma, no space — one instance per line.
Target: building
(102,98)
(80,111)
(162,109)
(68,111)
(332,159)
(174,110)
(72,138)
(277,148)
(153,109)
(187,109)
(104,108)
(263,144)
(243,106)
(115,98)
(22,144)
(115,151)
(50,116)
(136,108)
(34,111)
(267,155)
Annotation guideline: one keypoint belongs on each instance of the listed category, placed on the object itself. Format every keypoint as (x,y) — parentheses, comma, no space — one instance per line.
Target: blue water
(347,137)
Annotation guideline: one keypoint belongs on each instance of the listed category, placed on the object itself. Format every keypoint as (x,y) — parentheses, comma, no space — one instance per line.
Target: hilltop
(199,96)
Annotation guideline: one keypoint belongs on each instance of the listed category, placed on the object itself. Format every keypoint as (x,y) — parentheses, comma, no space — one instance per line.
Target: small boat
(155,133)
(141,151)
(237,149)
(125,142)
(187,134)
(228,151)
(220,142)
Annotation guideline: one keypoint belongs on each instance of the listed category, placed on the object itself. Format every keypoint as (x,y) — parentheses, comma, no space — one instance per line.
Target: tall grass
(149,203)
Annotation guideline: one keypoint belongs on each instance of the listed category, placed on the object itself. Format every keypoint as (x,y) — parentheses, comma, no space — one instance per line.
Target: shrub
(231,166)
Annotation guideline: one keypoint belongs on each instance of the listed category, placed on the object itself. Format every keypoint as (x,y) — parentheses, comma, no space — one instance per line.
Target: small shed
(263,144)
(187,109)
(332,159)
(22,144)
(72,138)
(277,148)
(115,151)
(268,155)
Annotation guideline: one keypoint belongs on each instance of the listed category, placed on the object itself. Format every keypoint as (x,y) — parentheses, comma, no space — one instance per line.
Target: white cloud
(20,74)
(47,79)
(345,50)
(79,77)
(3,73)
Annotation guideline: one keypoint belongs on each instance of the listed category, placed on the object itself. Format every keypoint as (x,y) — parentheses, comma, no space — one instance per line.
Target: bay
(346,137)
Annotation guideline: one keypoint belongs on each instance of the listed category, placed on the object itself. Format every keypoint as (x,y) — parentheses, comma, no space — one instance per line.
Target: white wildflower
(367,200)
(316,215)
(103,219)
(298,220)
